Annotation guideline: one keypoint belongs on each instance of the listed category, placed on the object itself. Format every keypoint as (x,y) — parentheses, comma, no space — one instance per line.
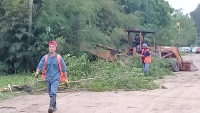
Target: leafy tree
(74,22)
(14,33)
(196,16)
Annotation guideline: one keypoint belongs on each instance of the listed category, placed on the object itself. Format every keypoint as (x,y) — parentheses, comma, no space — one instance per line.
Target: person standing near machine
(145,58)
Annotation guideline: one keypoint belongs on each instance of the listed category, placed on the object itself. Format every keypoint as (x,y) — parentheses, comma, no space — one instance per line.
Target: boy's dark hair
(136,34)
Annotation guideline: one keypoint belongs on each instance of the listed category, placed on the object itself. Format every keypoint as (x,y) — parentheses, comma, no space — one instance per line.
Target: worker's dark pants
(146,68)
(137,46)
(52,88)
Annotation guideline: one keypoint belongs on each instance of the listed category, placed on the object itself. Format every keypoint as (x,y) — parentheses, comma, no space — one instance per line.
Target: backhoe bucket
(189,66)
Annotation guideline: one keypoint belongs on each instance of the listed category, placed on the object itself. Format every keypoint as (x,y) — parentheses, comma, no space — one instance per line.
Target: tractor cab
(139,37)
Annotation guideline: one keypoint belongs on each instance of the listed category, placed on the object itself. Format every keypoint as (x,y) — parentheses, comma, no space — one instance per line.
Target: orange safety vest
(62,76)
(146,59)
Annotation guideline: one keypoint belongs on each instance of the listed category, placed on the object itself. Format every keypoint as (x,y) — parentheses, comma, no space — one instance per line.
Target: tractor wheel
(175,65)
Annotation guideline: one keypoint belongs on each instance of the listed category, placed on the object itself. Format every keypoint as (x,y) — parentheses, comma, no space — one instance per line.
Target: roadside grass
(182,53)
(18,79)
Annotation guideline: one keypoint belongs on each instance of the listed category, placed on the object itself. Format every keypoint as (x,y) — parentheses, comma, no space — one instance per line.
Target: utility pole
(29,32)
(30,16)
(198,39)
(179,28)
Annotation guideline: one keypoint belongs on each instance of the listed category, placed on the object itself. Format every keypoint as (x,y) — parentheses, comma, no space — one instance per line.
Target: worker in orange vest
(54,72)
(145,58)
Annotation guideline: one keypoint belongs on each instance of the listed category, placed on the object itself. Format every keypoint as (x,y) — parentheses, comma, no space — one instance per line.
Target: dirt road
(181,96)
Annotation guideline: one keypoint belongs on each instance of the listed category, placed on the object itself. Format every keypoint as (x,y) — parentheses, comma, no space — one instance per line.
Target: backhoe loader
(109,53)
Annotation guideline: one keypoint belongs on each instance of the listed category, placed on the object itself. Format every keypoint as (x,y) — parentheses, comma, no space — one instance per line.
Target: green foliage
(73,22)
(125,75)
(196,16)
(76,66)
(3,67)
(187,33)
(13,32)
(154,13)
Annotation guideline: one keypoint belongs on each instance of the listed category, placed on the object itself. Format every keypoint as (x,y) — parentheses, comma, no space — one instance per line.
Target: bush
(125,75)
(3,67)
(76,66)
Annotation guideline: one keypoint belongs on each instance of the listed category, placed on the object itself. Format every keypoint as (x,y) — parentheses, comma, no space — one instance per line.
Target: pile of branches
(12,88)
(39,86)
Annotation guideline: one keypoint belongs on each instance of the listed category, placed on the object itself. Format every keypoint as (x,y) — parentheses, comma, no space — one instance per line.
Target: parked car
(194,49)
(198,50)
(181,49)
(184,49)
(187,50)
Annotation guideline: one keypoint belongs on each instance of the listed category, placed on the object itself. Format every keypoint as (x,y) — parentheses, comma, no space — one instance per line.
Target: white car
(186,49)
(194,49)
(181,49)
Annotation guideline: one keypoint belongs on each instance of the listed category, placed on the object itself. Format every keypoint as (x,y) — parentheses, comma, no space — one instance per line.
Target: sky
(187,5)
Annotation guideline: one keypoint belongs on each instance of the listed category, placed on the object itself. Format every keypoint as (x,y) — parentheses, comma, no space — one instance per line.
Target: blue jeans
(146,68)
(52,89)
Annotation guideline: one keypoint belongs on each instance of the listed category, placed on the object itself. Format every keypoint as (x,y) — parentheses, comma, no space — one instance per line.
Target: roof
(138,31)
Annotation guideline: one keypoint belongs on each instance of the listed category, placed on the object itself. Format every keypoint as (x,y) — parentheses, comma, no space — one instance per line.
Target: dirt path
(182,96)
